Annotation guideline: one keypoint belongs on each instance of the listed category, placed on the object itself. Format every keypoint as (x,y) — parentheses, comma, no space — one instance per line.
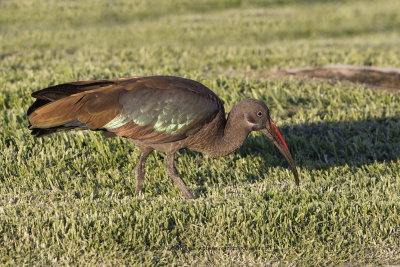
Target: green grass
(69,199)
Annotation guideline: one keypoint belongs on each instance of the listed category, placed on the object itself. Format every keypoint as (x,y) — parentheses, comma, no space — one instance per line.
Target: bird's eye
(259,114)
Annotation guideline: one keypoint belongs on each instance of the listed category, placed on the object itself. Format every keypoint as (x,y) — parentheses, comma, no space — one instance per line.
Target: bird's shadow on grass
(322,145)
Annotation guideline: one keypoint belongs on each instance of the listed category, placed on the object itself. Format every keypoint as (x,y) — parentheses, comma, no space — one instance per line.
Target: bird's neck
(230,137)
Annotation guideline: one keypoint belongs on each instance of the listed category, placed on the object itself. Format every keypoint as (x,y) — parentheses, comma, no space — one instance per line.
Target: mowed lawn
(68,199)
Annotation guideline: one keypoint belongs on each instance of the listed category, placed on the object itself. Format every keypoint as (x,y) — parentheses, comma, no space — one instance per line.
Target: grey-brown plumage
(161,113)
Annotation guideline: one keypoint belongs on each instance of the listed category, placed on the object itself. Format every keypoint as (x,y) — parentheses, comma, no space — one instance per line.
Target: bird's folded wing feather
(151,109)
(154,110)
(162,111)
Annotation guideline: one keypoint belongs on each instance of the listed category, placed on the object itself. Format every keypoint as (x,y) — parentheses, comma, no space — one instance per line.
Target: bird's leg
(140,170)
(171,170)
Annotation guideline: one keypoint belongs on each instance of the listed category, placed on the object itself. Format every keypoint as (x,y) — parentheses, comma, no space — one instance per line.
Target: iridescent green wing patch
(174,111)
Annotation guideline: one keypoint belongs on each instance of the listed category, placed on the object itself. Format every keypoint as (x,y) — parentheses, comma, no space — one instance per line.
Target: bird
(163,113)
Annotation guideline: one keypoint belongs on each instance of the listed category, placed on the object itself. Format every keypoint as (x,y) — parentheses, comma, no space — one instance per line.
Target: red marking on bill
(276,131)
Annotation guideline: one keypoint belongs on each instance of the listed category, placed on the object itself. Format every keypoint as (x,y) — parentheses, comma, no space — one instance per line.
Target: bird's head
(257,118)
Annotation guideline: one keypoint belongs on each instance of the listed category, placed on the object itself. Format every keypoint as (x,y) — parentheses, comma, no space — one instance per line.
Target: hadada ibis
(161,113)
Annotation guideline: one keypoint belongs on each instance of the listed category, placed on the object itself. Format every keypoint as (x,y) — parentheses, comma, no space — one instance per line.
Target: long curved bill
(275,136)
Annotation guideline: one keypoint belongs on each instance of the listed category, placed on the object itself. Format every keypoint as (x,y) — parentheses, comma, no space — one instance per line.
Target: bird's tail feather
(56,116)
(56,108)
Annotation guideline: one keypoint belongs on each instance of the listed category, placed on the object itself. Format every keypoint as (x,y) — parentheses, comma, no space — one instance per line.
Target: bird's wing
(155,109)
(163,109)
